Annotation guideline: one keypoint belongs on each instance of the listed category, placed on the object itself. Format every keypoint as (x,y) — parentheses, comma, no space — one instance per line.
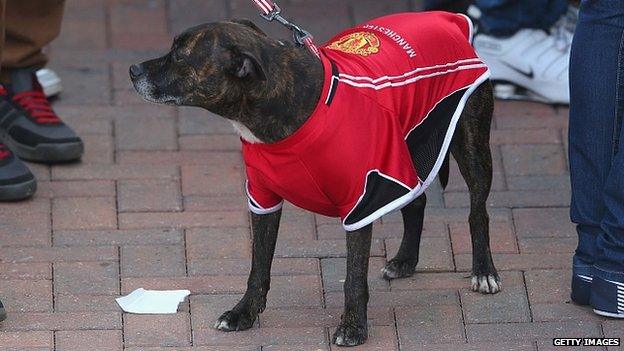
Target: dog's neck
(292,91)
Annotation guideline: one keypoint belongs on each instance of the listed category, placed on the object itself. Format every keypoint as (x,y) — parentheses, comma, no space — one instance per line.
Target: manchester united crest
(359,43)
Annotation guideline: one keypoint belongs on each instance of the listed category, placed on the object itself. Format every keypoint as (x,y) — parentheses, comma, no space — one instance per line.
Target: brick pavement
(157,203)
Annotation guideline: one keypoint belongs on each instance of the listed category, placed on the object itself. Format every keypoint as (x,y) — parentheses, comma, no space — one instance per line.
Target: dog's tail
(444,171)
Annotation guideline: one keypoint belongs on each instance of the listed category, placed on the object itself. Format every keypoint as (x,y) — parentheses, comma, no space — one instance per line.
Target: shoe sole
(15,192)
(609,314)
(46,152)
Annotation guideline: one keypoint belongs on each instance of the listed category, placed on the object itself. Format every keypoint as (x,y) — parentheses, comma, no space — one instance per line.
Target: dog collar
(270,11)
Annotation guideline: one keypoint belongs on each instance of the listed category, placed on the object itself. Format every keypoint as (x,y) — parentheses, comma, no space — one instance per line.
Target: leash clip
(275,12)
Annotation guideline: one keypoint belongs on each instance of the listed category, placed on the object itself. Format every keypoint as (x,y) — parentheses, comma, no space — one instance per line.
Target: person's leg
(30,126)
(506,17)
(592,124)
(447,5)
(607,293)
(30,25)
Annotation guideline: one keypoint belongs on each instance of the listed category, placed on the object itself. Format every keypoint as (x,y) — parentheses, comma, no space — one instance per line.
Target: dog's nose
(136,71)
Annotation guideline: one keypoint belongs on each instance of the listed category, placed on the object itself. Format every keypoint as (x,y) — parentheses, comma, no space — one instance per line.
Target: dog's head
(208,66)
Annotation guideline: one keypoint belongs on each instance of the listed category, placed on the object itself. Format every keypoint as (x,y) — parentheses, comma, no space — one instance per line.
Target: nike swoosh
(529,74)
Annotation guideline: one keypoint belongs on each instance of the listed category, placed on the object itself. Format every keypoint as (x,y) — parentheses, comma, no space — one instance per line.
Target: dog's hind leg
(471,149)
(404,262)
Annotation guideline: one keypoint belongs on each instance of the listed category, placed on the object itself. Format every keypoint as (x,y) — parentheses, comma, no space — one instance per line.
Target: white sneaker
(50,82)
(531,59)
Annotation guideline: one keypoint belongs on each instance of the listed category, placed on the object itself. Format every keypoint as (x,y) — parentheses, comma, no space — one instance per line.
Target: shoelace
(4,152)
(37,105)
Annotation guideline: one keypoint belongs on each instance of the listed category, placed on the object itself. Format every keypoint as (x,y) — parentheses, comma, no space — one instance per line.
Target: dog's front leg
(244,314)
(353,329)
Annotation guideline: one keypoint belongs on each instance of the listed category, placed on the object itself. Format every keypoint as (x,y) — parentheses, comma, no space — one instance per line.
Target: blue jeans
(506,17)
(597,138)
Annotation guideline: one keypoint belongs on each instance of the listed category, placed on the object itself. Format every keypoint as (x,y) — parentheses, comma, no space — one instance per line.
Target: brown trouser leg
(29,26)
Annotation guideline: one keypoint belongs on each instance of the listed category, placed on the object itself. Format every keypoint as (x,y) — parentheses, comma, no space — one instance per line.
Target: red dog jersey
(394,90)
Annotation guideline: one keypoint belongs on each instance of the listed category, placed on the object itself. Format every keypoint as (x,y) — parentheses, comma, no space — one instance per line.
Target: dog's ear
(245,65)
(249,24)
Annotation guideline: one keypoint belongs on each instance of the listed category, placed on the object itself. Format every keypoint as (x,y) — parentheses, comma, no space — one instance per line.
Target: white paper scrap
(143,301)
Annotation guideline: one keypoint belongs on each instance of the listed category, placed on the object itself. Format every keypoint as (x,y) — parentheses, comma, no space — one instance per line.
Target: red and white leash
(270,11)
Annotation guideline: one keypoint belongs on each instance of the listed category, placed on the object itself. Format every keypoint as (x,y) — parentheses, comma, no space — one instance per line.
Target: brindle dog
(268,89)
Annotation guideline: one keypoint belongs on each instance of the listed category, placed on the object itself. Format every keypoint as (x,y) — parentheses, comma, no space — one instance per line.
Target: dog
(276,94)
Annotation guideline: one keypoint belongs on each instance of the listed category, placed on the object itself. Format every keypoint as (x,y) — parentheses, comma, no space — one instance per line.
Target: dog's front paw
(348,335)
(486,283)
(398,269)
(235,321)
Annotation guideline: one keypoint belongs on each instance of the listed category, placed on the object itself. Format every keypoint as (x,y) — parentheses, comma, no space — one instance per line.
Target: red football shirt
(394,90)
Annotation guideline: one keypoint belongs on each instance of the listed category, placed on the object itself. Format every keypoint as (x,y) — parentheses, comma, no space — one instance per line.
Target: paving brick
(508,306)
(533,159)
(232,242)
(215,203)
(334,271)
(149,196)
(527,136)
(86,278)
(63,321)
(148,330)
(118,237)
(84,303)
(26,295)
(258,337)
(437,323)
(213,180)
(280,266)
(98,149)
(548,245)
(25,223)
(24,340)
(26,271)
(478,346)
(140,220)
(103,340)
(539,182)
(432,281)
(83,83)
(531,331)
(187,13)
(399,298)
(318,317)
(514,199)
(84,213)
(58,254)
(612,328)
(514,262)
(197,285)
(214,159)
(563,311)
(87,172)
(319,248)
(543,222)
(197,121)
(295,291)
(502,239)
(146,133)
(548,286)
(153,261)
(435,253)
(366,10)
(78,188)
(522,115)
(217,142)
